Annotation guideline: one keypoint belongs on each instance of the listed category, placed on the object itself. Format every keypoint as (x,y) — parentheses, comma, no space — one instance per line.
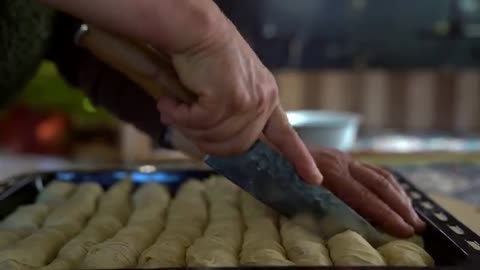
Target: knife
(261,171)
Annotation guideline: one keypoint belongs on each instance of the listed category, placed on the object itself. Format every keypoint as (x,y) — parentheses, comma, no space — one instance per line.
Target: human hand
(373,192)
(238,97)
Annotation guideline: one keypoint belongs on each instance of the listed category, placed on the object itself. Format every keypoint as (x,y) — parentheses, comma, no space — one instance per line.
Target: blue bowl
(329,129)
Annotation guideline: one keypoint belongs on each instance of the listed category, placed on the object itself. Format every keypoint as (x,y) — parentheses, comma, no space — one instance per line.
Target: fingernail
(317,178)
(320,178)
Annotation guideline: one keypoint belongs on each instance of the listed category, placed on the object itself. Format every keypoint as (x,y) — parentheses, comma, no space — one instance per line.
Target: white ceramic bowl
(336,130)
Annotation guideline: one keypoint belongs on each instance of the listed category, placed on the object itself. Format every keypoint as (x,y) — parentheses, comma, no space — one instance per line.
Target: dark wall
(342,33)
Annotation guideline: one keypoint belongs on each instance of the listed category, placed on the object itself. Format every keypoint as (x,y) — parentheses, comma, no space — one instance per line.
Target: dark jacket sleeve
(104,86)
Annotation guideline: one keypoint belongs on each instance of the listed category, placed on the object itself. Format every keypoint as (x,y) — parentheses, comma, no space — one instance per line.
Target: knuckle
(241,101)
(382,184)
(273,91)
(268,98)
(262,102)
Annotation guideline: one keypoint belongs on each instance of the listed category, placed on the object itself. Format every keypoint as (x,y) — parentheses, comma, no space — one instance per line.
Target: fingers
(280,133)
(224,130)
(234,134)
(192,116)
(369,205)
(387,175)
(382,185)
(418,223)
(233,146)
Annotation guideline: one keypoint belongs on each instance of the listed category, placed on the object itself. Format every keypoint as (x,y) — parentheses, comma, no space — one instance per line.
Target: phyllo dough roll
(10,236)
(61,225)
(190,196)
(220,244)
(117,202)
(97,230)
(113,208)
(261,241)
(303,247)
(252,209)
(186,220)
(78,208)
(123,250)
(55,192)
(39,248)
(405,253)
(151,202)
(351,249)
(26,217)
(222,190)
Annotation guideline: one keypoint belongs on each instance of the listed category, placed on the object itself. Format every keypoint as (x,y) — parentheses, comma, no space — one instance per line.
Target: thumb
(285,139)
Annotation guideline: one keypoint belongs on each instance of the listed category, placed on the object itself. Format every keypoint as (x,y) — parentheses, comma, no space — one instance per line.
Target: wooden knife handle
(140,63)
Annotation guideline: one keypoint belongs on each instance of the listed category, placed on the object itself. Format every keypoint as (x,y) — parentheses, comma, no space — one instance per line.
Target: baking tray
(448,241)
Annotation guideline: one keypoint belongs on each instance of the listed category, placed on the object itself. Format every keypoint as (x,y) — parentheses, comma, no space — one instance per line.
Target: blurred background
(409,68)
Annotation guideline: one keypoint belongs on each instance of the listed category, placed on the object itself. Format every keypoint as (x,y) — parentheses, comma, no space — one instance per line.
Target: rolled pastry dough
(58,264)
(416,239)
(55,192)
(211,252)
(189,196)
(303,247)
(351,249)
(405,253)
(26,217)
(183,227)
(78,208)
(151,202)
(97,230)
(261,235)
(266,257)
(103,225)
(39,248)
(165,253)
(10,236)
(222,190)
(261,241)
(218,247)
(261,245)
(253,209)
(123,250)
(116,201)
(220,244)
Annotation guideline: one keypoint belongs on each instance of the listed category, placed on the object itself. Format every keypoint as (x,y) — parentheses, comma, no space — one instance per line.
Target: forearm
(170,25)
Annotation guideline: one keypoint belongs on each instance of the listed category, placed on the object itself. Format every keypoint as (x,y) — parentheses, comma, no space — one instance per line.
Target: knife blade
(272,179)
(261,171)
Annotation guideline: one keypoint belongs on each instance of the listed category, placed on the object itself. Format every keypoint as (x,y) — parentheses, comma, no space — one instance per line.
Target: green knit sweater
(25,30)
